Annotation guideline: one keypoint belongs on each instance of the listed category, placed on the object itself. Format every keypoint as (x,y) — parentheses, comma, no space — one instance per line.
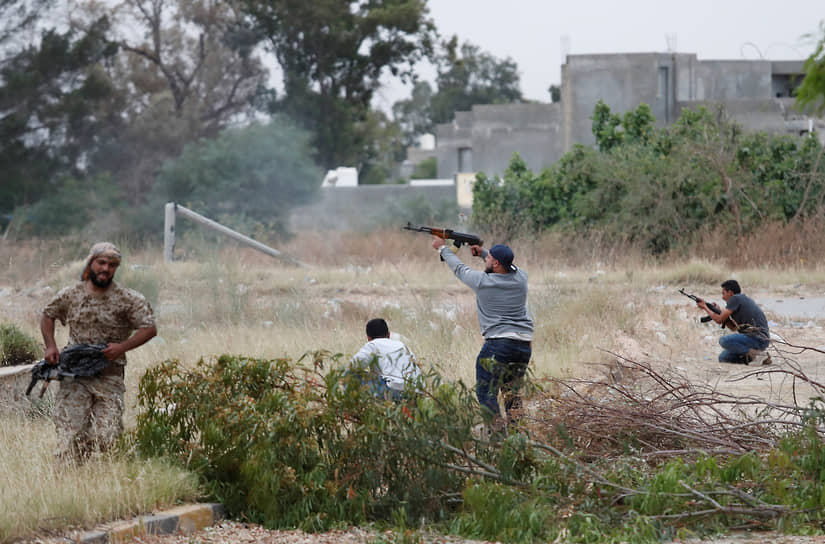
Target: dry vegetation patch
(622,359)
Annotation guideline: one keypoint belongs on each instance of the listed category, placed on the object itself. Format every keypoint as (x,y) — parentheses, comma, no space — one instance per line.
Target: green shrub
(71,208)
(501,513)
(305,444)
(247,177)
(426,169)
(658,188)
(17,347)
(286,445)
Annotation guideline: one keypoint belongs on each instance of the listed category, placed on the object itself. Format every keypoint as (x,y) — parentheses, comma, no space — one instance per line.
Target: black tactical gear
(77,361)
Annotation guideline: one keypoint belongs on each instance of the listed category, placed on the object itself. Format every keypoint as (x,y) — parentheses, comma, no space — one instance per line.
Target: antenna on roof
(670,40)
(752,45)
(565,47)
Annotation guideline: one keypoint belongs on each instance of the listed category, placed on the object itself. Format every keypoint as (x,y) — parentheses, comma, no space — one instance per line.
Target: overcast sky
(537,34)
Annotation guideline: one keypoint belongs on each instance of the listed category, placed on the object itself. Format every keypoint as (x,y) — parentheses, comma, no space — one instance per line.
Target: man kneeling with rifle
(742,315)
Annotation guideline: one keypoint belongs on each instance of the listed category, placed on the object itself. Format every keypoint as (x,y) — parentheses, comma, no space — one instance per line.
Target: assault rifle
(78,361)
(458,238)
(711,306)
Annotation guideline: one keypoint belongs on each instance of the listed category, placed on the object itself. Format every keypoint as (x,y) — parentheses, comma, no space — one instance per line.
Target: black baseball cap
(503,255)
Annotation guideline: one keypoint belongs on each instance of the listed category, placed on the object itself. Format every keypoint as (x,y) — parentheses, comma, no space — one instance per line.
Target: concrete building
(756,93)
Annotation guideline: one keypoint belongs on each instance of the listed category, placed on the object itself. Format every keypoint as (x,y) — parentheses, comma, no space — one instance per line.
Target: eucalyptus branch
(468,457)
(768,511)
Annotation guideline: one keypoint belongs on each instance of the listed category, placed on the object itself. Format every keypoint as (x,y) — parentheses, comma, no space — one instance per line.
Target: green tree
(469,76)
(332,54)
(606,127)
(611,130)
(385,148)
(248,177)
(50,93)
(466,76)
(413,114)
(186,70)
(659,188)
(812,90)
(555,93)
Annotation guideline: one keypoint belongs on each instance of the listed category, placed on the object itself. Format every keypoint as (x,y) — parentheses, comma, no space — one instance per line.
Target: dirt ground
(798,346)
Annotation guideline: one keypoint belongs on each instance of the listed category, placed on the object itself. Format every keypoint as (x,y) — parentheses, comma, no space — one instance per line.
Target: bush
(426,169)
(70,209)
(249,177)
(17,347)
(285,445)
(292,444)
(659,188)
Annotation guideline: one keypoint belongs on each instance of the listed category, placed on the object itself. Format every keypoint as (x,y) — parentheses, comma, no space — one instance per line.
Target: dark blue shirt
(746,312)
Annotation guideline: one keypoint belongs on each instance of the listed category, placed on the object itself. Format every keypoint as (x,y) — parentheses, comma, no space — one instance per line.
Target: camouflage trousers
(88,416)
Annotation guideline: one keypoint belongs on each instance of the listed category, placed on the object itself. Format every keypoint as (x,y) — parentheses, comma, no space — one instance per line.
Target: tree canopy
(332,55)
(659,188)
(248,177)
(466,76)
(54,98)
(811,91)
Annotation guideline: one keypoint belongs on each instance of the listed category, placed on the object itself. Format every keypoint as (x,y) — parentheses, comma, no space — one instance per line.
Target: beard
(97,282)
(488,270)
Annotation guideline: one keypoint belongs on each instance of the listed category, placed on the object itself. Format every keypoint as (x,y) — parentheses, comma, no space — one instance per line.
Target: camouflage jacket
(100,318)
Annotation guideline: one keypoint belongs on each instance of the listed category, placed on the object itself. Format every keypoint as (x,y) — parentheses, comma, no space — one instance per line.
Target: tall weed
(39,495)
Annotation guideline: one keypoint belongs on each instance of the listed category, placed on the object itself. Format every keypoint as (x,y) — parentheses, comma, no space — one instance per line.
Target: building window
(663,83)
(465,159)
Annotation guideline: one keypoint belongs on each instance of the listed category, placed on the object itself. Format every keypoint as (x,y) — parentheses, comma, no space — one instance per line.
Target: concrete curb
(182,519)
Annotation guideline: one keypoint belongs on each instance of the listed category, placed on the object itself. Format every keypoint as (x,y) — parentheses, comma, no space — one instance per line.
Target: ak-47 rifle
(458,238)
(711,306)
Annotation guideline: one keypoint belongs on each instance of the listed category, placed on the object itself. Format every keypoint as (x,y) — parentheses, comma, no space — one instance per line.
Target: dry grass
(587,299)
(38,495)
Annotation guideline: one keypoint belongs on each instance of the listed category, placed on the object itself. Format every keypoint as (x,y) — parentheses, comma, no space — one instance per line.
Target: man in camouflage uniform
(88,412)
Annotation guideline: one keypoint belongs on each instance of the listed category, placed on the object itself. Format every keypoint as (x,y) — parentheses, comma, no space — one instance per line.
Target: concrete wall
(778,115)
(753,115)
(488,136)
(368,206)
(723,80)
(622,81)
(450,139)
(532,130)
(754,93)
(669,82)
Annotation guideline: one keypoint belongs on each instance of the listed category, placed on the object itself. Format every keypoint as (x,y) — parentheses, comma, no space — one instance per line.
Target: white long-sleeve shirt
(396,362)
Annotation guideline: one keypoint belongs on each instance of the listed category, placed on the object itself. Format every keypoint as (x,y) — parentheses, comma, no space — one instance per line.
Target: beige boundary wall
(13,383)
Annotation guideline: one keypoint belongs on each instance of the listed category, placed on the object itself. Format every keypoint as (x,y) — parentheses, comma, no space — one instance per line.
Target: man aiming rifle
(505,323)
(741,314)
